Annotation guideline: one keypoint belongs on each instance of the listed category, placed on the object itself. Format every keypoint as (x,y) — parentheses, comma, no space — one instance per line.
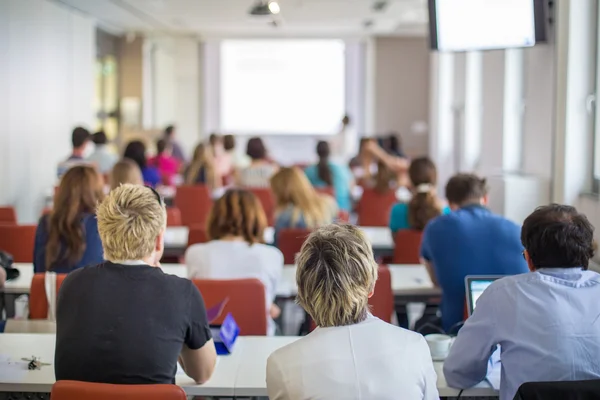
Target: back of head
(99,138)
(79,137)
(336,274)
(383,178)
(125,171)
(161,146)
(136,151)
(323,170)
(424,205)
(464,189)
(237,213)
(214,138)
(228,142)
(255,149)
(346,120)
(291,187)
(202,158)
(81,188)
(129,221)
(557,236)
(169,131)
(394,143)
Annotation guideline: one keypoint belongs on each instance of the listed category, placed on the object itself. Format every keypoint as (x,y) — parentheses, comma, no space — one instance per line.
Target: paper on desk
(10,370)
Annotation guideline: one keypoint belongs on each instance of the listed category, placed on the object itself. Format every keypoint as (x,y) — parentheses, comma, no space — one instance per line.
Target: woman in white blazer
(352,354)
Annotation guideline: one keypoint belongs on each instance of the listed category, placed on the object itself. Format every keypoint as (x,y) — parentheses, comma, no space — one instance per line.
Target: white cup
(439,345)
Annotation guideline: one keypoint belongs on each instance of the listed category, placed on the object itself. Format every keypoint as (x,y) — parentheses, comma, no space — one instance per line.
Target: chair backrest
(194,203)
(173,216)
(74,390)
(374,208)
(38,302)
(382,301)
(328,190)
(290,241)
(197,234)
(18,240)
(407,246)
(565,390)
(246,302)
(8,215)
(267,200)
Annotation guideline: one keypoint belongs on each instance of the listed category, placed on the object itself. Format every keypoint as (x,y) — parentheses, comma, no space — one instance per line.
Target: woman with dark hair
(236,250)
(261,168)
(68,238)
(136,151)
(424,204)
(326,173)
(167,165)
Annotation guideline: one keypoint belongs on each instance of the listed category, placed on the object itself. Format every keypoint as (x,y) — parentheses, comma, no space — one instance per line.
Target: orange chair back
(197,234)
(328,190)
(382,301)
(407,247)
(374,208)
(290,242)
(8,215)
(173,216)
(194,203)
(38,302)
(246,303)
(19,241)
(74,390)
(268,202)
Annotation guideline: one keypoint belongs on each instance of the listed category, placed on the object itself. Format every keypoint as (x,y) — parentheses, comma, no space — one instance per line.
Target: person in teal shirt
(326,173)
(424,205)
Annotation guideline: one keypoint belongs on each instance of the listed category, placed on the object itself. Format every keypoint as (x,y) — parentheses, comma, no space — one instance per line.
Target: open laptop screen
(475,286)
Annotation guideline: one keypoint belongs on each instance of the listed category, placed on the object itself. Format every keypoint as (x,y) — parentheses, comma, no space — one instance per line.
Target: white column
(458,109)
(472,114)
(512,138)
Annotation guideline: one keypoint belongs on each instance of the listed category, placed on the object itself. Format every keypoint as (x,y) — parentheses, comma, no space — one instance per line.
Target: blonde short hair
(129,221)
(336,272)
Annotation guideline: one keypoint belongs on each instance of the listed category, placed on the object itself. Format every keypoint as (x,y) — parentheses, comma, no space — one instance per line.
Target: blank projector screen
(282,86)
(461,25)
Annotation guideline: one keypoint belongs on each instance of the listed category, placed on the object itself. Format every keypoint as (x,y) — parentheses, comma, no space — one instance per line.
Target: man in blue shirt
(546,322)
(471,240)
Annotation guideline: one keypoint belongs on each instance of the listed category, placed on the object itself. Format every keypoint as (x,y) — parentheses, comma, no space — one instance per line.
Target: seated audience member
(471,240)
(176,151)
(102,157)
(238,161)
(298,204)
(394,147)
(260,170)
(125,171)
(201,170)
(67,238)
(80,139)
(125,321)
(327,173)
(167,165)
(395,168)
(545,321)
(236,226)
(136,151)
(351,351)
(364,165)
(424,205)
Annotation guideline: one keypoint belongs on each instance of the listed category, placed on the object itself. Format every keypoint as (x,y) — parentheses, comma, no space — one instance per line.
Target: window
(282,86)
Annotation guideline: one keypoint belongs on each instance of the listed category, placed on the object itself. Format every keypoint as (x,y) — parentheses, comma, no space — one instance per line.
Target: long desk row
(407,280)
(242,373)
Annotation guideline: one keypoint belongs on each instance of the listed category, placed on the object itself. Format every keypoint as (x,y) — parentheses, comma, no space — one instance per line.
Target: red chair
(382,301)
(197,234)
(407,247)
(328,190)
(173,216)
(246,302)
(8,215)
(290,242)
(75,390)
(38,302)
(374,208)
(266,198)
(194,203)
(19,241)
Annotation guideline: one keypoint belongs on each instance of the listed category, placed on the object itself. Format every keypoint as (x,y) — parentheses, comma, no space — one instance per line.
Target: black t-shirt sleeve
(198,331)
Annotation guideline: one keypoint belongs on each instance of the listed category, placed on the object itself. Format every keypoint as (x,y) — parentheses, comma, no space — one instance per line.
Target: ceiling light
(274,7)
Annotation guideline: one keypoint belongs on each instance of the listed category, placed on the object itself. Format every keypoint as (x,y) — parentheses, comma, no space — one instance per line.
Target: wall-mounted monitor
(463,25)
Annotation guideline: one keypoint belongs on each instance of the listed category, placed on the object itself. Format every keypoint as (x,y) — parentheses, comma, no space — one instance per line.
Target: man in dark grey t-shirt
(126,321)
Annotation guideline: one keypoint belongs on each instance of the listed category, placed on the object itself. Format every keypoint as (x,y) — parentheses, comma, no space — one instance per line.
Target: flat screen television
(463,25)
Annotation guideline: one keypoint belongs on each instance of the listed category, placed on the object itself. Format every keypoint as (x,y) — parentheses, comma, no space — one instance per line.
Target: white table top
(379,236)
(242,373)
(407,280)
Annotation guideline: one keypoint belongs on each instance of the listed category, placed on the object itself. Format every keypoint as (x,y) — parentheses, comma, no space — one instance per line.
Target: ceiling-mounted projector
(263,8)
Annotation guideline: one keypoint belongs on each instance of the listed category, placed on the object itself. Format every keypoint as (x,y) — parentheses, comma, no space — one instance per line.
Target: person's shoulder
(271,253)
(393,331)
(399,208)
